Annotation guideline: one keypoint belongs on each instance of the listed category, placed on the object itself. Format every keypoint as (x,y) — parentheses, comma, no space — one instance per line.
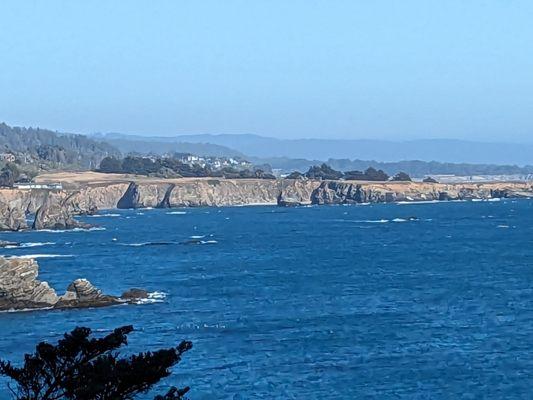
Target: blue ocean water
(418,301)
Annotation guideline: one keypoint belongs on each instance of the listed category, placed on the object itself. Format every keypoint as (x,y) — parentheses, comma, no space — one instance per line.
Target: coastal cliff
(55,208)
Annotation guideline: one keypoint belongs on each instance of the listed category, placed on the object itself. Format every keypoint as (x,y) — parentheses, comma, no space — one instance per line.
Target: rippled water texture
(426,301)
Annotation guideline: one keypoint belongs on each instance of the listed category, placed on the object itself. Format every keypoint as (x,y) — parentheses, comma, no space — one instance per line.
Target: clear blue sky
(346,69)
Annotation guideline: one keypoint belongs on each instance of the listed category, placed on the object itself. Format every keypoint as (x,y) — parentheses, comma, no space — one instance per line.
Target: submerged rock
(21,290)
(5,243)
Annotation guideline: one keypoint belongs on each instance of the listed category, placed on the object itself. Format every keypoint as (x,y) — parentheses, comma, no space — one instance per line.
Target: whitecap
(94,228)
(419,202)
(197,236)
(208,242)
(142,244)
(153,297)
(503,226)
(176,212)
(103,215)
(29,244)
(25,256)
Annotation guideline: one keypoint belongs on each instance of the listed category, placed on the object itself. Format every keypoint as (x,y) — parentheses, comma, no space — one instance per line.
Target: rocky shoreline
(21,290)
(55,209)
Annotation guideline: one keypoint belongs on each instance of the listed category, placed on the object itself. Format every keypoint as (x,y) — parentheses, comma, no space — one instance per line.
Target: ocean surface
(411,301)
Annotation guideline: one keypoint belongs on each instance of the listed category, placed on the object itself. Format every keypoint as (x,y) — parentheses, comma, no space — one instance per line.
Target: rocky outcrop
(54,214)
(13,215)
(336,192)
(19,287)
(20,290)
(131,198)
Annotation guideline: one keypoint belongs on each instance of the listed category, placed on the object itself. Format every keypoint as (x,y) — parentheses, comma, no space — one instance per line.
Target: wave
(103,215)
(153,297)
(197,236)
(198,241)
(25,256)
(29,244)
(13,310)
(94,228)
(419,202)
(142,244)
(176,212)
(405,219)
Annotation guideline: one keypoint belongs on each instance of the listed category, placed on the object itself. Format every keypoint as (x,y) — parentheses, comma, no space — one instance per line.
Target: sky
(290,69)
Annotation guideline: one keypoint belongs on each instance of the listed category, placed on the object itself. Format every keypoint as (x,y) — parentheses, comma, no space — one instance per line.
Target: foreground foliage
(80,367)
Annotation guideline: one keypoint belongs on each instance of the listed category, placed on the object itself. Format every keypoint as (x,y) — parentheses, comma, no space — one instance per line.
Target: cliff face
(146,192)
(338,192)
(212,192)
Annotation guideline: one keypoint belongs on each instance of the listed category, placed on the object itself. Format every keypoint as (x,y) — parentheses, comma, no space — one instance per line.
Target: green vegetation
(324,171)
(81,368)
(174,168)
(45,150)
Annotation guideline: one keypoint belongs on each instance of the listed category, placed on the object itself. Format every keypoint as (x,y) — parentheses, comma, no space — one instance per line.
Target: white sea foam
(503,226)
(43,256)
(103,215)
(12,310)
(153,297)
(399,220)
(208,242)
(29,244)
(176,212)
(419,202)
(141,244)
(494,199)
(94,228)
(197,236)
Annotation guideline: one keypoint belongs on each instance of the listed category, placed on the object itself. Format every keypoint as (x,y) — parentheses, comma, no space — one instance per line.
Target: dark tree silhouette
(82,368)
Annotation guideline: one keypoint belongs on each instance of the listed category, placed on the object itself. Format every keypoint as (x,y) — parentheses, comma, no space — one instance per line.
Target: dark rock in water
(54,214)
(499,193)
(444,196)
(20,289)
(81,293)
(284,201)
(165,202)
(131,198)
(5,243)
(134,294)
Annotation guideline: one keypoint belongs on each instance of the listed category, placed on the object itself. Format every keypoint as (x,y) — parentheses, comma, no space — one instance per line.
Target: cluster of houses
(214,163)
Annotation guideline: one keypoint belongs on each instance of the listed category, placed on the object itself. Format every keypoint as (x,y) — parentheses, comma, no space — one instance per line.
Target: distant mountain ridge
(161,145)
(440,150)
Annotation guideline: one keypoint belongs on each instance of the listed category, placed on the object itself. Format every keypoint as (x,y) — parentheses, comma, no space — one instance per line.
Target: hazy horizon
(398,70)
